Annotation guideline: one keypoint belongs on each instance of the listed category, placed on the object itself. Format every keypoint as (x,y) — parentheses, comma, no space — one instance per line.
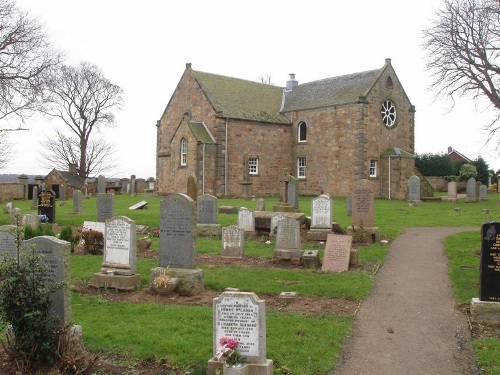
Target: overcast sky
(143,46)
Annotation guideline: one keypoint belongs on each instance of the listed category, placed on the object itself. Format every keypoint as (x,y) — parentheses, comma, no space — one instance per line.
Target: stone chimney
(291,83)
(72,168)
(450,149)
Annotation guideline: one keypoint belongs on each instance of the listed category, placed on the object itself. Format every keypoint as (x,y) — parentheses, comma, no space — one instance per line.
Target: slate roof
(73,180)
(241,99)
(330,91)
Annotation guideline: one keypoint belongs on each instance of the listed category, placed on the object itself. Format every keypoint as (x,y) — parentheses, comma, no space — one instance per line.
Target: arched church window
(388,113)
(302,131)
(184,151)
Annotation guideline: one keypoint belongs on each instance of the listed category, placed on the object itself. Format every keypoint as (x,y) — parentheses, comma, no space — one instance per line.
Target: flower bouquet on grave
(228,352)
(43,218)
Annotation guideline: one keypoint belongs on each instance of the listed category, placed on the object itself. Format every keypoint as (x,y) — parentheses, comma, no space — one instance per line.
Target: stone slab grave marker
(452,196)
(62,194)
(8,240)
(34,201)
(321,213)
(362,204)
(288,239)
(139,206)
(105,205)
(241,316)
(31,219)
(414,189)
(119,265)
(261,205)
(101,184)
(77,201)
(471,191)
(56,257)
(192,187)
(293,193)
(206,206)
(132,186)
(233,242)
(483,193)
(46,205)
(274,224)
(246,219)
(177,232)
(337,253)
(486,308)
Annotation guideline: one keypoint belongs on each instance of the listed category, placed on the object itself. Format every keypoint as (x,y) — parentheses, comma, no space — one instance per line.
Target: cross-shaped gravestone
(284,179)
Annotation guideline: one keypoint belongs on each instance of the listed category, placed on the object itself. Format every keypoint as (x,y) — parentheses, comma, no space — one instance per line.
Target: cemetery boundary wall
(11,190)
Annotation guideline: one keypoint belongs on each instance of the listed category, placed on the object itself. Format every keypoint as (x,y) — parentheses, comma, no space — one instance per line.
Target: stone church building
(234,134)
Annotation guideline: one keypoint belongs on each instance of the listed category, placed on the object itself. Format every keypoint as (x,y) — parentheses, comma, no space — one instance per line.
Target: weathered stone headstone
(192,187)
(8,240)
(16,216)
(246,219)
(124,185)
(31,219)
(241,316)
(177,232)
(139,206)
(132,185)
(414,189)
(77,202)
(105,207)
(34,201)
(288,239)
(120,246)
(233,242)
(46,205)
(478,185)
(471,191)
(62,195)
(489,282)
(321,213)
(261,205)
(283,205)
(56,257)
(483,193)
(101,184)
(206,209)
(274,223)
(348,202)
(9,207)
(362,204)
(293,193)
(452,196)
(337,253)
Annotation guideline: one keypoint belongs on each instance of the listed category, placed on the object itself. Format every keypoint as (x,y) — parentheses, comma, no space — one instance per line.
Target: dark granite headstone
(177,232)
(46,204)
(489,283)
(105,207)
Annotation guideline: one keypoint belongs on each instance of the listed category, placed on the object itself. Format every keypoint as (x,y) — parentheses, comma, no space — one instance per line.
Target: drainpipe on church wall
(203,169)
(389,177)
(225,161)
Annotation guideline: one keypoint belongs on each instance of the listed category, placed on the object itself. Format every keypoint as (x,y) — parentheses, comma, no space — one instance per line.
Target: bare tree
(84,100)
(463,48)
(62,150)
(5,149)
(267,79)
(26,61)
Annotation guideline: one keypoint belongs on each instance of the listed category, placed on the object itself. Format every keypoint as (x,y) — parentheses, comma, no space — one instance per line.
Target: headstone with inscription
(337,253)
(233,242)
(177,232)
(274,224)
(77,202)
(101,184)
(246,219)
(261,205)
(486,308)
(241,316)
(46,205)
(288,239)
(363,204)
(293,193)
(206,209)
(321,213)
(452,196)
(105,207)
(483,193)
(414,189)
(8,240)
(56,257)
(471,191)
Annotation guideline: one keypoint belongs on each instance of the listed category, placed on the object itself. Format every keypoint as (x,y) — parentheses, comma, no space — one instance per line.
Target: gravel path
(409,325)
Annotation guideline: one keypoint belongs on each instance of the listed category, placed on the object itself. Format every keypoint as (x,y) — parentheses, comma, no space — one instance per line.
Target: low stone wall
(11,190)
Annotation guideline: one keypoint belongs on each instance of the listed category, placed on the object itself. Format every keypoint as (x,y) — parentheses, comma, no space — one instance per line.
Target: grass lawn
(298,343)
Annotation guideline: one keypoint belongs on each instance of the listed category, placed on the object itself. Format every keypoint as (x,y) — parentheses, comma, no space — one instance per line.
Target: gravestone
(192,187)
(139,206)
(206,209)
(471,191)
(483,193)
(8,240)
(414,189)
(56,257)
(233,242)
(177,232)
(132,186)
(94,225)
(85,190)
(321,213)
(283,205)
(246,219)
(34,201)
(124,185)
(261,205)
(288,239)
(293,193)
(348,202)
(337,253)
(105,207)
(16,216)
(62,195)
(452,196)
(478,185)
(46,204)
(486,308)
(77,202)
(101,184)
(119,265)
(9,207)
(274,224)
(241,316)
(31,219)
(362,204)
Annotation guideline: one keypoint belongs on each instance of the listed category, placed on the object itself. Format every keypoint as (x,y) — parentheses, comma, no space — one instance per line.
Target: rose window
(388,113)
